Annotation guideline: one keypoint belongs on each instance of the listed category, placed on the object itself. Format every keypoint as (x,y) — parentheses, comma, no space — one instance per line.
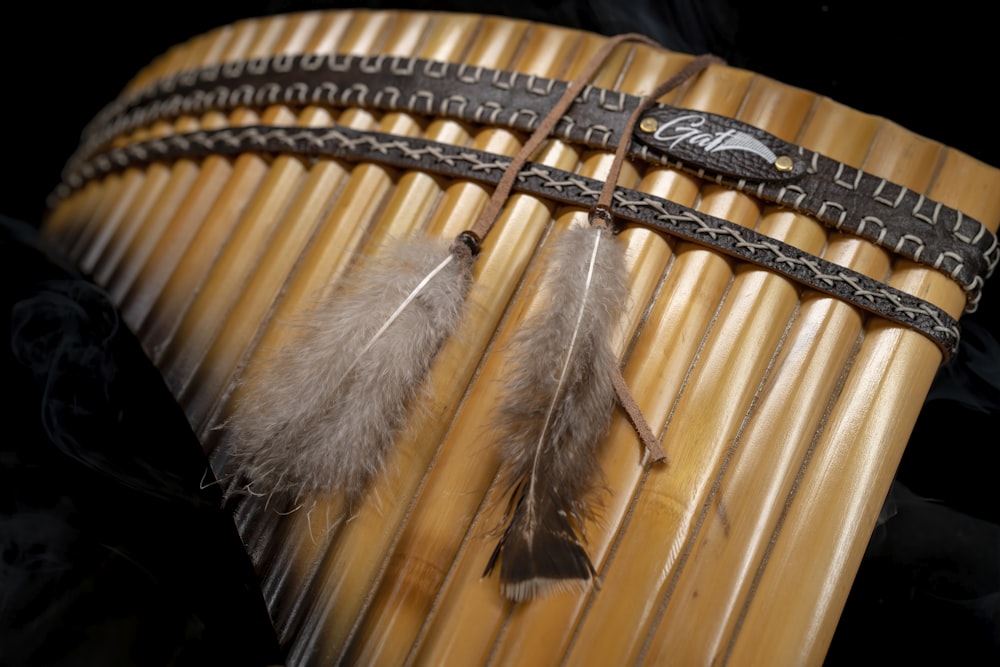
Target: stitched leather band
(547,182)
(724,150)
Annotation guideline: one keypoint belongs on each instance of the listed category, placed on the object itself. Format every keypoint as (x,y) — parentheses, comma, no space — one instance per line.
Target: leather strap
(547,182)
(724,150)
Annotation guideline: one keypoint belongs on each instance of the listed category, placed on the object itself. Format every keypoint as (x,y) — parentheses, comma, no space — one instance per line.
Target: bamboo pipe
(64,224)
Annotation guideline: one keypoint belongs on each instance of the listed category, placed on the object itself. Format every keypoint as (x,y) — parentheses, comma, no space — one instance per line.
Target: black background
(930,68)
(929,586)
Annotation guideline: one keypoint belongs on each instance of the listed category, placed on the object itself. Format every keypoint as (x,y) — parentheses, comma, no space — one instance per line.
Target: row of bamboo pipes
(783,412)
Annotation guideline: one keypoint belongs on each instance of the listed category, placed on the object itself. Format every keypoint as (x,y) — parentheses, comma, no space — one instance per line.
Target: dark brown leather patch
(720,145)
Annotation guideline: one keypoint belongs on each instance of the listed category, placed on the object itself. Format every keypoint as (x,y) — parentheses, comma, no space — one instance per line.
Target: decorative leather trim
(547,182)
(840,196)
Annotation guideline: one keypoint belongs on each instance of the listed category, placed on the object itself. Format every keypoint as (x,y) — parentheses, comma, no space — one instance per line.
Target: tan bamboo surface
(783,412)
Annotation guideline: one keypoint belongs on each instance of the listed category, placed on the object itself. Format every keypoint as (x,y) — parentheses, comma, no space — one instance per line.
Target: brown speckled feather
(555,410)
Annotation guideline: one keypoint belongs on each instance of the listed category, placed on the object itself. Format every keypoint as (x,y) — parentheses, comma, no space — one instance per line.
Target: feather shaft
(407,301)
(560,386)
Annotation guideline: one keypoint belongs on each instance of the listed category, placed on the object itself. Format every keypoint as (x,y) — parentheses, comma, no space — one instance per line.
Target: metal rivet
(648,124)
(784,163)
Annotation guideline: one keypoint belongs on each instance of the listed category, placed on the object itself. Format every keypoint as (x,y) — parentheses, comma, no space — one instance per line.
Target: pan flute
(782,401)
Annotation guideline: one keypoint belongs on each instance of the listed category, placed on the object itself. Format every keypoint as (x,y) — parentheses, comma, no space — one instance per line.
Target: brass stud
(648,124)
(784,163)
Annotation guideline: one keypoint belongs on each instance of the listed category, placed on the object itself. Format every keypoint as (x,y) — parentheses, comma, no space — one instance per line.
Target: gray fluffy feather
(322,414)
(556,409)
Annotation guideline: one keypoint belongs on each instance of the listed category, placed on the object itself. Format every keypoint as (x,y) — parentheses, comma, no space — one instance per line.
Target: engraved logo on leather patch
(720,145)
